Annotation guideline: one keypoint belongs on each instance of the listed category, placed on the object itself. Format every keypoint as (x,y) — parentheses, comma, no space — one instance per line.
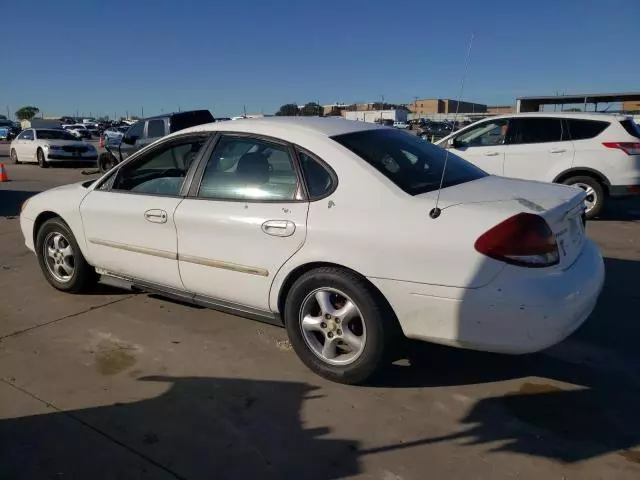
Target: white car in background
(596,152)
(332,229)
(45,146)
(78,131)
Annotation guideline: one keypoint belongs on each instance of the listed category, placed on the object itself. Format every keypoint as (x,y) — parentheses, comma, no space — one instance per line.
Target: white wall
(373,115)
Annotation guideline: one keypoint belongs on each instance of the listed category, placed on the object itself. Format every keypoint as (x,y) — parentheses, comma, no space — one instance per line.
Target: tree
(288,110)
(312,109)
(27,113)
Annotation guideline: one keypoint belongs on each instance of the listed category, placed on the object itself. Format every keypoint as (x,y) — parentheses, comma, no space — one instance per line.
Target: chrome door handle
(279,228)
(156,216)
(491,154)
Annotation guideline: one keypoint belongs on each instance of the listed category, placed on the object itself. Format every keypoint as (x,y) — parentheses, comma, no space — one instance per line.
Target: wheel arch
(300,270)
(41,218)
(583,171)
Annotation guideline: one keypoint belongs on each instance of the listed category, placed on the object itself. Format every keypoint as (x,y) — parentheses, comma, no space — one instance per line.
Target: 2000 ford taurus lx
(329,226)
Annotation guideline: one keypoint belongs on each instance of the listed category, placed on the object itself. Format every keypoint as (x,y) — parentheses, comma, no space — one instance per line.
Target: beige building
(500,109)
(631,106)
(430,106)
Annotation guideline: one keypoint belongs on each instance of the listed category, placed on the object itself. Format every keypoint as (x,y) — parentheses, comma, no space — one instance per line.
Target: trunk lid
(560,205)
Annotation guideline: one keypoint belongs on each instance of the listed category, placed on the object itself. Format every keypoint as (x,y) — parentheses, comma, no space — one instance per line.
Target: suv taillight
(524,240)
(630,148)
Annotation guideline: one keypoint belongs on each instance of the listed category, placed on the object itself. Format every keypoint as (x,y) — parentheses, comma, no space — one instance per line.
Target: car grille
(75,149)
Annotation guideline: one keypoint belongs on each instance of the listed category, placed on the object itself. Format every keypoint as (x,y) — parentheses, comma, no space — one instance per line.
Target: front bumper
(521,311)
(70,157)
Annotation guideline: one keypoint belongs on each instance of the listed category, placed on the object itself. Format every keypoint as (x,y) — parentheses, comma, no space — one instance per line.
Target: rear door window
(534,130)
(631,127)
(155,128)
(578,129)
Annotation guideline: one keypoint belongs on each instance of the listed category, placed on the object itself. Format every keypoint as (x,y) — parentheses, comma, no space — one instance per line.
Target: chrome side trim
(183,258)
(133,248)
(223,265)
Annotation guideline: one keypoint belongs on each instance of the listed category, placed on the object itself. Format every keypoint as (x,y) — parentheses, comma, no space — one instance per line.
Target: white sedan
(45,146)
(332,229)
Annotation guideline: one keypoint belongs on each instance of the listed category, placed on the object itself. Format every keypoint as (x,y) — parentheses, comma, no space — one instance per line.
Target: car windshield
(53,135)
(411,163)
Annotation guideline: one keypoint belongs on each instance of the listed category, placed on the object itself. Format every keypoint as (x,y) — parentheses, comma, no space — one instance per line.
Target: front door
(129,220)
(537,148)
(483,145)
(244,219)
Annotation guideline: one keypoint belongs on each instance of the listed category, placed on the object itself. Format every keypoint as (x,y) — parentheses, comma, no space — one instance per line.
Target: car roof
(318,125)
(579,115)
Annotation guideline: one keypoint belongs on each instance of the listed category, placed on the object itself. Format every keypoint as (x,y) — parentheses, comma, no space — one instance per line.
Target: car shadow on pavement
(622,210)
(11,200)
(574,401)
(205,428)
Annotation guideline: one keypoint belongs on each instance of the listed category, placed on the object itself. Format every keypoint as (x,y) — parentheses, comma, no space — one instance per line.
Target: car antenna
(435,211)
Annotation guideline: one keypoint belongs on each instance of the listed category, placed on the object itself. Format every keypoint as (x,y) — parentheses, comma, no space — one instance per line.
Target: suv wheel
(338,325)
(595,194)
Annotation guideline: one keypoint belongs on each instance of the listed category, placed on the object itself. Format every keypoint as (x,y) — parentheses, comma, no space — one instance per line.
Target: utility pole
(142,112)
(8,114)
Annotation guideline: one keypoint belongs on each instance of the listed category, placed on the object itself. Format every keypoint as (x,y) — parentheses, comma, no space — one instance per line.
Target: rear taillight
(524,239)
(630,148)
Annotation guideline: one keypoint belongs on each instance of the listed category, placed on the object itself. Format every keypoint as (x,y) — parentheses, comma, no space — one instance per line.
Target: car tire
(61,259)
(14,157)
(371,328)
(42,162)
(596,193)
(106,162)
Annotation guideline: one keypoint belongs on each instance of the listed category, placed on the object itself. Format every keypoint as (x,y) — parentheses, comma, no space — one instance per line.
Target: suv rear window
(180,121)
(584,129)
(631,127)
(408,161)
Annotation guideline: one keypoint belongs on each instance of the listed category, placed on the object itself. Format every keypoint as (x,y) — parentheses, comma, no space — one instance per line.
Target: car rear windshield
(180,121)
(413,164)
(54,135)
(631,127)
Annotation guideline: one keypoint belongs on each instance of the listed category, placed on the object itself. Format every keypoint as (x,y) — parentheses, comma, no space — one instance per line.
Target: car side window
(317,178)
(534,130)
(155,128)
(244,168)
(579,129)
(136,130)
(26,135)
(161,171)
(487,134)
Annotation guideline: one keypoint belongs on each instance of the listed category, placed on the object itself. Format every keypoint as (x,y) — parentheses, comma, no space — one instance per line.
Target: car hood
(64,143)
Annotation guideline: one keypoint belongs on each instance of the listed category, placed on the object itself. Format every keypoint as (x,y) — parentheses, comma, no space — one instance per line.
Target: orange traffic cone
(3,173)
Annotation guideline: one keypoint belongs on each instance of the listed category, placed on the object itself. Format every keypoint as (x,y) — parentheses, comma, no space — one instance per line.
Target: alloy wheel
(332,326)
(59,257)
(592,196)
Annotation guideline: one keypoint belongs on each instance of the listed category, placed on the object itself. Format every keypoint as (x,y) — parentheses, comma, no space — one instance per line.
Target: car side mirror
(130,139)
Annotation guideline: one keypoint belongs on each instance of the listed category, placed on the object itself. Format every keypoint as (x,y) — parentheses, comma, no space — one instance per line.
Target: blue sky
(113,56)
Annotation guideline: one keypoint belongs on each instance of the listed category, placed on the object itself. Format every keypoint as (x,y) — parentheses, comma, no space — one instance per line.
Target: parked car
(78,130)
(47,146)
(401,125)
(434,129)
(9,130)
(146,131)
(595,152)
(271,219)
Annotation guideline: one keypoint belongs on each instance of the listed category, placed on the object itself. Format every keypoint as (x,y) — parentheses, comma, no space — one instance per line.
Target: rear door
(483,145)
(537,148)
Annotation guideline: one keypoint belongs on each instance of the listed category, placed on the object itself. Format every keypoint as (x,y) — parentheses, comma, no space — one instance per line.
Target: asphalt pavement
(121,385)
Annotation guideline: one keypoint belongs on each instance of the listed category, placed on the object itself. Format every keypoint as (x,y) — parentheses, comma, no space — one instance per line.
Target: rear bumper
(521,311)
